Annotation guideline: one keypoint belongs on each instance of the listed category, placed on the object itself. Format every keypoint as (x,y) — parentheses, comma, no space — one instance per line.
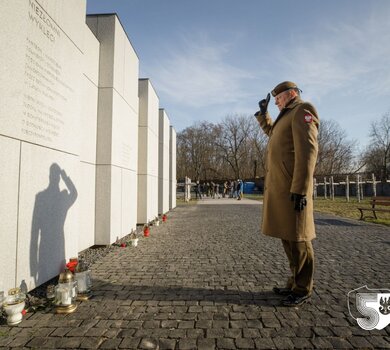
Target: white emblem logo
(372,304)
(308,118)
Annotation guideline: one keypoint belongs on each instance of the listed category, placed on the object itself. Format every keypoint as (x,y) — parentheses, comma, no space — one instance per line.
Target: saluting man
(288,204)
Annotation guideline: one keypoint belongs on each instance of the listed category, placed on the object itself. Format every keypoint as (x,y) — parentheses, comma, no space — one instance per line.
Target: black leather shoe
(281,291)
(295,299)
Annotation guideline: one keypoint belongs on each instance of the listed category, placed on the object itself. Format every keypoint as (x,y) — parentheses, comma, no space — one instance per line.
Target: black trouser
(301,258)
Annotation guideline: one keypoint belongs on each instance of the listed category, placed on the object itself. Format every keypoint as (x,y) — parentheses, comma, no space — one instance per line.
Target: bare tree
(196,151)
(377,156)
(258,141)
(335,151)
(233,142)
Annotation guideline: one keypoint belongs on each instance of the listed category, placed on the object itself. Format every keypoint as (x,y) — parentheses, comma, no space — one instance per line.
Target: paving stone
(186,324)
(215,333)
(167,344)
(220,324)
(264,343)
(151,324)
(71,342)
(195,333)
(245,343)
(283,343)
(185,344)
(130,343)
(232,333)
(339,343)
(206,344)
(323,331)
(321,343)
(177,333)
(251,333)
(110,344)
(379,342)
(254,324)
(95,332)
(301,343)
(91,343)
(19,342)
(360,343)
(225,343)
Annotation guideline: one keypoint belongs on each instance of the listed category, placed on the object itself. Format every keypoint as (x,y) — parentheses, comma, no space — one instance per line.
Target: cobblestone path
(202,280)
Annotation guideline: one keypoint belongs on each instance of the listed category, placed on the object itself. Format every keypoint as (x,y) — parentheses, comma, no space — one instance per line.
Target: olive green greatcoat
(290,160)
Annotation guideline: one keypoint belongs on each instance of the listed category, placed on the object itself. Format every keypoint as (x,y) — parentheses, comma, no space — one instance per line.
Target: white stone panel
(104,29)
(119,64)
(68,14)
(104,126)
(116,204)
(9,181)
(88,121)
(48,222)
(124,151)
(109,204)
(163,173)
(42,70)
(148,152)
(117,131)
(130,85)
(143,133)
(172,168)
(119,57)
(129,201)
(86,235)
(103,205)
(142,200)
(154,196)
(91,56)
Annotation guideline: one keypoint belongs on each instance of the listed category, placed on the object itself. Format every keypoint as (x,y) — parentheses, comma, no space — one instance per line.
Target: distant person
(198,191)
(216,190)
(234,189)
(225,189)
(212,189)
(288,204)
(238,190)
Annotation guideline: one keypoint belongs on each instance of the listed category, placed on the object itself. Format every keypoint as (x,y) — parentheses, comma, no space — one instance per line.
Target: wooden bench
(375,201)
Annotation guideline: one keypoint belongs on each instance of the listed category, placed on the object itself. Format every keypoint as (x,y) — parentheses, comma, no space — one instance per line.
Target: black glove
(299,201)
(263,104)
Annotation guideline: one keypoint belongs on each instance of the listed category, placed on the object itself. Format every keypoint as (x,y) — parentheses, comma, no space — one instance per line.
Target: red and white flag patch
(308,118)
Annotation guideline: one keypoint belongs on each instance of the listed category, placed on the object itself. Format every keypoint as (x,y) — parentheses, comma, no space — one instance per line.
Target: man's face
(283,98)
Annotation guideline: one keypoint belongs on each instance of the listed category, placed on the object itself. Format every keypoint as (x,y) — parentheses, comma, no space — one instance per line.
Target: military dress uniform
(290,161)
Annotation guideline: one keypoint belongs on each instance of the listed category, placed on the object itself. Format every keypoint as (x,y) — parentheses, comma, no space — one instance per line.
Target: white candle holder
(66,292)
(84,285)
(13,306)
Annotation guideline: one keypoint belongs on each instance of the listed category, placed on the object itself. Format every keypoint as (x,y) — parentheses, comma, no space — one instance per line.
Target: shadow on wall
(47,248)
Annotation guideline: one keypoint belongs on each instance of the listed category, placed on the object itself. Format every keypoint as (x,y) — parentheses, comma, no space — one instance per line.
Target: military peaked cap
(286,85)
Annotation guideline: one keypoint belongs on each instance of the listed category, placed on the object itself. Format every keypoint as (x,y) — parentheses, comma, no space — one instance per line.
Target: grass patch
(257,197)
(341,207)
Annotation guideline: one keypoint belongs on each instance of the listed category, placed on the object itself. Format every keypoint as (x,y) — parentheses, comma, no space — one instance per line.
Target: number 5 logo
(373,305)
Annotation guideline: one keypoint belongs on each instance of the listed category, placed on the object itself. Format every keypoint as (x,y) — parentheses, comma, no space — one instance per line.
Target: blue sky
(211,58)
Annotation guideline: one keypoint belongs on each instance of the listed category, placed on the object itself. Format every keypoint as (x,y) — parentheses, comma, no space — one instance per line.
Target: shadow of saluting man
(47,248)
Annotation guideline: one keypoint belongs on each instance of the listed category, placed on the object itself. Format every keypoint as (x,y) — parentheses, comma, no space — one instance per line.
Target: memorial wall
(117,131)
(172,168)
(148,152)
(163,164)
(69,138)
(41,87)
